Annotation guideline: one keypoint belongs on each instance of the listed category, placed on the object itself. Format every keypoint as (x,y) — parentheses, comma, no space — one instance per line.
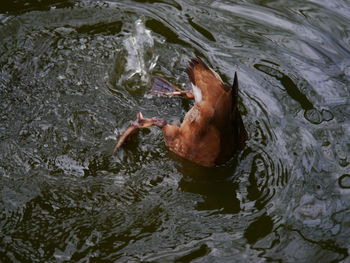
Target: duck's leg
(138,124)
(163,87)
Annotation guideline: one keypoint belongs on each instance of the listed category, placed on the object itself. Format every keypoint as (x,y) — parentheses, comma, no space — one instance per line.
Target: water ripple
(72,74)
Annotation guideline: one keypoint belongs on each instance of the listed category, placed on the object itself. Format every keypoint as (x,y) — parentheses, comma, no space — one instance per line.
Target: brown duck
(212,129)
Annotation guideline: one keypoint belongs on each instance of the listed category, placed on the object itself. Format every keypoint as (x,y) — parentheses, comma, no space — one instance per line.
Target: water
(74,73)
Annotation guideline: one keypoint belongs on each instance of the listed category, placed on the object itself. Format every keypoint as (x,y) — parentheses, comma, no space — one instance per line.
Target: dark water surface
(72,75)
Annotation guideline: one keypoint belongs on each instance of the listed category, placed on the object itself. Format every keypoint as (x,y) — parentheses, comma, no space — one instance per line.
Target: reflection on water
(73,73)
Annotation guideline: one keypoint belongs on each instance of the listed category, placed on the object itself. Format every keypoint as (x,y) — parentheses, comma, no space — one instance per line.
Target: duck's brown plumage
(212,129)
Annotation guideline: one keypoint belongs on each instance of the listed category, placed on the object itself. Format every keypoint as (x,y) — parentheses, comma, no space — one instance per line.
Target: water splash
(136,59)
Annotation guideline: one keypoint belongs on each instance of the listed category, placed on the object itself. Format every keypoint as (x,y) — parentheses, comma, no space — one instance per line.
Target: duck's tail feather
(235,94)
(241,133)
(194,62)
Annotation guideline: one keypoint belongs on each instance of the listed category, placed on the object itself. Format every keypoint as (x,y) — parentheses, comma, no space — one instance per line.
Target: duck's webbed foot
(163,87)
(138,124)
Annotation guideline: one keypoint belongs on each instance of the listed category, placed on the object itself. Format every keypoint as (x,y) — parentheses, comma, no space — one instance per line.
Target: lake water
(74,73)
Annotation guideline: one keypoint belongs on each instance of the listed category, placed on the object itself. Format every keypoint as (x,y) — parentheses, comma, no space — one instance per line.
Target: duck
(211,131)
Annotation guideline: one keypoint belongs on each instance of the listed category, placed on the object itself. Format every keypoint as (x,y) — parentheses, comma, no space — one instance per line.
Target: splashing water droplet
(137,58)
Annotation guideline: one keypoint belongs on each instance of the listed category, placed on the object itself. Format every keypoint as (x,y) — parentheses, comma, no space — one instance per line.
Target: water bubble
(313,116)
(327,115)
(344,181)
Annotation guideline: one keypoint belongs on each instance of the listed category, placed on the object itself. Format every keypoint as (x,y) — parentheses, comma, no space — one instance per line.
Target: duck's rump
(206,141)
(212,130)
